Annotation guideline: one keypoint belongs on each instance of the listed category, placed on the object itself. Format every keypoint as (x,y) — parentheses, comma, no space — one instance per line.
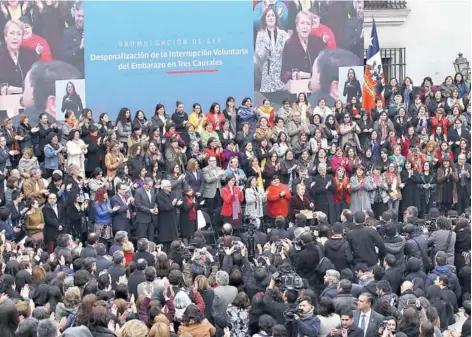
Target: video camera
(287,279)
(251,224)
(430,223)
(289,314)
(186,252)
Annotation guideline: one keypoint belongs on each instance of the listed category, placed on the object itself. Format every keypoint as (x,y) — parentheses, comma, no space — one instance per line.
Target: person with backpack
(442,268)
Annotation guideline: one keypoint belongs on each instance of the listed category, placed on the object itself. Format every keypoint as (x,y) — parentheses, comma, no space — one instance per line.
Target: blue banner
(138,54)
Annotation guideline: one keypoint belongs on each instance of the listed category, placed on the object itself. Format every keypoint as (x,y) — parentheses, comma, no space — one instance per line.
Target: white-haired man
(167,226)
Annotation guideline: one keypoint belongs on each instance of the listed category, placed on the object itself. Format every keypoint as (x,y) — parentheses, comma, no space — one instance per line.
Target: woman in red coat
(342,191)
(278,199)
(440,120)
(232,199)
(215,117)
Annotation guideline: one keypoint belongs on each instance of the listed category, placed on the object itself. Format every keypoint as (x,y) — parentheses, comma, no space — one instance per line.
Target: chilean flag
(373,76)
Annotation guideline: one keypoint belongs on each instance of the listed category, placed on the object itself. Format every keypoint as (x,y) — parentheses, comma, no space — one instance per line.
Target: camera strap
(423,255)
(448,240)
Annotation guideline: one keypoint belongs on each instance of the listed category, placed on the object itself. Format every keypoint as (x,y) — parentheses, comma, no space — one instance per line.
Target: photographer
(307,258)
(306,323)
(444,239)
(277,309)
(417,245)
(411,215)
(227,231)
(389,328)
(347,327)
(197,262)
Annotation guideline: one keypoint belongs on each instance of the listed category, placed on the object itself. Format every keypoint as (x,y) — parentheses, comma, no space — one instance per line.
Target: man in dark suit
(455,134)
(121,216)
(347,219)
(3,157)
(348,328)
(143,252)
(365,318)
(463,186)
(146,210)
(16,208)
(137,277)
(53,220)
(117,269)
(73,40)
(392,275)
(103,262)
(89,249)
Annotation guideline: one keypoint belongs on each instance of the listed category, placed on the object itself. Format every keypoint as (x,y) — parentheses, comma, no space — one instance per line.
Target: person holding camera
(275,308)
(389,328)
(306,323)
(347,327)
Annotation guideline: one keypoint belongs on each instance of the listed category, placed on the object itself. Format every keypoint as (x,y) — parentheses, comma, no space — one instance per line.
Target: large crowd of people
(241,221)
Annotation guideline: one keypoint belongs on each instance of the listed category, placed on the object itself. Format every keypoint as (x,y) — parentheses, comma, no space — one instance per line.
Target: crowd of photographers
(359,277)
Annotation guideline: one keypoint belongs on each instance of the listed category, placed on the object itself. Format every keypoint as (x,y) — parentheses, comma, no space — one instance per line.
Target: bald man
(407,297)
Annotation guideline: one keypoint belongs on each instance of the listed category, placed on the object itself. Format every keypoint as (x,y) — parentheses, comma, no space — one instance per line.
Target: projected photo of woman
(300,50)
(15,60)
(352,86)
(270,43)
(72,100)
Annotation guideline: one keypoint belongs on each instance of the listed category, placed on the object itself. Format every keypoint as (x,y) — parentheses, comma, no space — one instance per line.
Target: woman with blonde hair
(133,328)
(394,183)
(14,56)
(113,159)
(161,327)
(194,177)
(69,304)
(202,286)
(27,162)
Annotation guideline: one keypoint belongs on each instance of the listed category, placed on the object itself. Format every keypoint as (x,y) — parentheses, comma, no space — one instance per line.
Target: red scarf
(192,214)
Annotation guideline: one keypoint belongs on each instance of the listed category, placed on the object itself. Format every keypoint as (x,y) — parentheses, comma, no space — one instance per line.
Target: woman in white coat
(255,198)
(76,150)
(270,42)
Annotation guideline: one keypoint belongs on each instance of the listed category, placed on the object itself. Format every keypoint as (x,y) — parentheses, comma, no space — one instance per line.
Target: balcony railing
(384,4)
